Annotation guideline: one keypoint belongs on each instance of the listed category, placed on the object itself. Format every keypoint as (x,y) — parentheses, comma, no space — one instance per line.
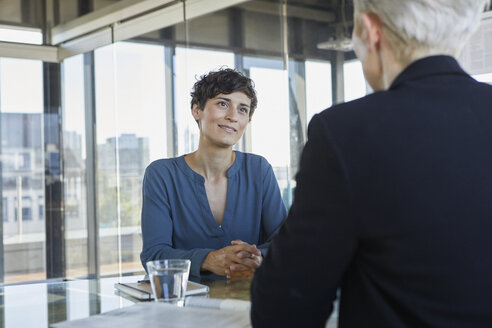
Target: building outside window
(131,132)
(5,206)
(22,152)
(40,208)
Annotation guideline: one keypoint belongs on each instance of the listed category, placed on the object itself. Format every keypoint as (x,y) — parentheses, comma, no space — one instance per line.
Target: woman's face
(223,120)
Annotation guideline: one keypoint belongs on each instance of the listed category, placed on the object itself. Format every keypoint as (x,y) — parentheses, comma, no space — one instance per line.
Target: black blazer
(393,205)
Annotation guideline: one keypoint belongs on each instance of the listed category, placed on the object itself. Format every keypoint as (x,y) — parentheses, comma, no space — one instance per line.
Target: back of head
(419,28)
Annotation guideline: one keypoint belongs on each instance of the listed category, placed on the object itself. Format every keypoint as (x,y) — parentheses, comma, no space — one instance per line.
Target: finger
(257,252)
(237,242)
(252,248)
(245,275)
(247,264)
(233,258)
(244,254)
(251,263)
(241,274)
(238,268)
(245,247)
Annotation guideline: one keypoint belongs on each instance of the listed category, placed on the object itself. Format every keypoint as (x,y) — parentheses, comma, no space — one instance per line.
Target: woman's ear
(371,30)
(196,112)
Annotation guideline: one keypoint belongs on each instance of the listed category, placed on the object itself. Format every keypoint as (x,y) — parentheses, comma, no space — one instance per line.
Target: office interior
(92,91)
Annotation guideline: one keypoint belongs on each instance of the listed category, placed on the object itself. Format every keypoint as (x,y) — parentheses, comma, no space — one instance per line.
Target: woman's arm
(157,225)
(273,212)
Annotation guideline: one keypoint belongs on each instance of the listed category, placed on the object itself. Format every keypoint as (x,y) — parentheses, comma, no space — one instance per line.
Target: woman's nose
(232,115)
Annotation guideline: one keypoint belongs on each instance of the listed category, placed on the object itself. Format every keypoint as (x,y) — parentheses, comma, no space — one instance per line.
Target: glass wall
(138,95)
(486,78)
(270,126)
(131,132)
(22,154)
(318,87)
(74,159)
(355,85)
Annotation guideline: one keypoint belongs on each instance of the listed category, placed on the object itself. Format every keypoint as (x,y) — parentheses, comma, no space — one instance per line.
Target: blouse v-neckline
(202,194)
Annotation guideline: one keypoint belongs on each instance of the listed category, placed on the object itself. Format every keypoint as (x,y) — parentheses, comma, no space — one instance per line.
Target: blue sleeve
(157,225)
(273,210)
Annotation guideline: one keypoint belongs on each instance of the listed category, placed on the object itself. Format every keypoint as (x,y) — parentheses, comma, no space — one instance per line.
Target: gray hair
(417,28)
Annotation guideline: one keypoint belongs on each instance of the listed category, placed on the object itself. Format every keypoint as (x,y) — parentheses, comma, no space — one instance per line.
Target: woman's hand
(252,260)
(238,256)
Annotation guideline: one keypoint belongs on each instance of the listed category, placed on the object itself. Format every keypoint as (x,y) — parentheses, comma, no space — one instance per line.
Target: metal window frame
(91,166)
(2,264)
(171,124)
(48,54)
(117,22)
(54,193)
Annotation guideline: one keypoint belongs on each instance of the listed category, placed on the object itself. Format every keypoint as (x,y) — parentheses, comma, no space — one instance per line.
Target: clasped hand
(236,261)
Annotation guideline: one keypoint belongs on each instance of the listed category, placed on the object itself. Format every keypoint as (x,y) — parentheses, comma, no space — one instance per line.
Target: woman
(213,206)
(393,193)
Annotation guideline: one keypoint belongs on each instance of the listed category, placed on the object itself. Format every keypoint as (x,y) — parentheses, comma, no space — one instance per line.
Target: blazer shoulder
(355,109)
(484,87)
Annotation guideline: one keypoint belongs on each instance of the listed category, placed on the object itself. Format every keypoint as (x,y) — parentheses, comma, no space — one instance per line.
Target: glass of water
(168,279)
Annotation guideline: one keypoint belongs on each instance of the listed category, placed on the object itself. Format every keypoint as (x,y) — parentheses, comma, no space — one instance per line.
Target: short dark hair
(226,81)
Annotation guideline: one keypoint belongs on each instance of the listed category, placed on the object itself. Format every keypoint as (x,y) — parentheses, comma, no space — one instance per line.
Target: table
(44,303)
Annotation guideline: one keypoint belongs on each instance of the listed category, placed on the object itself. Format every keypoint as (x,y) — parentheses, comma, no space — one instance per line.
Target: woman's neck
(211,163)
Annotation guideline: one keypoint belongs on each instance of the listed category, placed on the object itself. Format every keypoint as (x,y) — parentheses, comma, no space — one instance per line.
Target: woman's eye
(243,110)
(222,103)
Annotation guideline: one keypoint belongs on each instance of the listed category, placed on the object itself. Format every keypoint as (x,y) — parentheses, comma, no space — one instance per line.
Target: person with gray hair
(393,202)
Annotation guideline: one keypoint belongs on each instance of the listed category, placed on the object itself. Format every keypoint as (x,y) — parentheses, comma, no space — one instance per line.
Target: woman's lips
(227,128)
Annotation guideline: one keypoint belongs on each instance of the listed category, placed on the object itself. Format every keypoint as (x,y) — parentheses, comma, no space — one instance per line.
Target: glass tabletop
(45,303)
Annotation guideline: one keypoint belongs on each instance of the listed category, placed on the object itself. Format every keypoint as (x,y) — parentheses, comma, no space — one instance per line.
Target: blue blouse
(177,221)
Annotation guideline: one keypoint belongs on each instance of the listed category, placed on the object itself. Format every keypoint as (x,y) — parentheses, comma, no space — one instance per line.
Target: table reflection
(45,303)
(42,304)
(233,288)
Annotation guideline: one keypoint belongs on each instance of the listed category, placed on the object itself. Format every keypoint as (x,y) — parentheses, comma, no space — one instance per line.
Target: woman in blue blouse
(217,207)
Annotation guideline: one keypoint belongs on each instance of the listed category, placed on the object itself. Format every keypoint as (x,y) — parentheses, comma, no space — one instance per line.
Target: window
(40,207)
(5,206)
(74,162)
(318,87)
(26,208)
(25,161)
(131,132)
(486,78)
(354,84)
(270,124)
(21,110)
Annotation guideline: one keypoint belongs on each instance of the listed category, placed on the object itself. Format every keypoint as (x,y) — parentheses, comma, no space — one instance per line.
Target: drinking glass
(168,279)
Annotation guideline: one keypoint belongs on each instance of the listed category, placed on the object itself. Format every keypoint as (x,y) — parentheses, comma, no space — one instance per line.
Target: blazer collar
(433,65)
